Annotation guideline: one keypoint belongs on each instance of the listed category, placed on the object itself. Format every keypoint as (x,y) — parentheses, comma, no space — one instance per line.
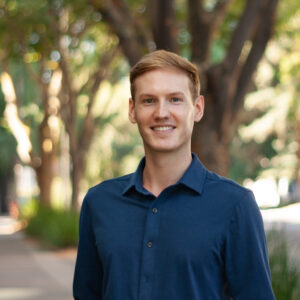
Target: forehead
(163,80)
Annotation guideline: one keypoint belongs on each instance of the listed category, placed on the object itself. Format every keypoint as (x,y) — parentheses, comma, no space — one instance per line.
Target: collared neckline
(136,179)
(193,177)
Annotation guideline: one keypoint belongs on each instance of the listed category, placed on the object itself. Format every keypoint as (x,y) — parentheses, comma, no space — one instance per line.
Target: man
(172,230)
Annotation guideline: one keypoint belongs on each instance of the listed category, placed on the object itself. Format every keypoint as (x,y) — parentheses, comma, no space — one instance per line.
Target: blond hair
(164,59)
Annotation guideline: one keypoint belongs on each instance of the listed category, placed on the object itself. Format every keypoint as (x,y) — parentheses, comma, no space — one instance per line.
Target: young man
(172,230)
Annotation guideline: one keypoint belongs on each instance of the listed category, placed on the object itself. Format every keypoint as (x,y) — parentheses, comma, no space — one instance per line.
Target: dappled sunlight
(265,191)
(278,106)
(19,130)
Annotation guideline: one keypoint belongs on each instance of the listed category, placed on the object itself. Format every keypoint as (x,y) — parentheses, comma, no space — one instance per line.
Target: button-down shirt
(200,239)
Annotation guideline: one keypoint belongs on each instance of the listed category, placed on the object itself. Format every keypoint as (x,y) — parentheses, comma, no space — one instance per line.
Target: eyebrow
(146,95)
(170,94)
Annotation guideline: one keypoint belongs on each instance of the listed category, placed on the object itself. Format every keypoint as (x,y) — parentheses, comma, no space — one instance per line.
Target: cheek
(142,119)
(143,115)
(185,115)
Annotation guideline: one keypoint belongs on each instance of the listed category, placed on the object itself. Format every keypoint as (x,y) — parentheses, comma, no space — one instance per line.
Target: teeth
(163,128)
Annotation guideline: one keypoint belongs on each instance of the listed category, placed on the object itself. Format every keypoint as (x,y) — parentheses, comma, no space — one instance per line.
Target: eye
(175,99)
(148,100)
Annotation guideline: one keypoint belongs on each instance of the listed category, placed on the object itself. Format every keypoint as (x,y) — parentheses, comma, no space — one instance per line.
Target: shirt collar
(136,179)
(193,177)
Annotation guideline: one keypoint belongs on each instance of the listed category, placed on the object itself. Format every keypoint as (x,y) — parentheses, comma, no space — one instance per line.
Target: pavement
(286,220)
(29,272)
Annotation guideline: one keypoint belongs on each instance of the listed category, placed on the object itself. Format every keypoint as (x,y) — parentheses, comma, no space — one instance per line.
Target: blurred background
(64,92)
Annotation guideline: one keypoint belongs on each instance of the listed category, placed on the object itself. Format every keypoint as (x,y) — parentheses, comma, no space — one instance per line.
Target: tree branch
(88,123)
(259,43)
(162,21)
(133,37)
(203,25)
(35,76)
(219,13)
(198,24)
(241,34)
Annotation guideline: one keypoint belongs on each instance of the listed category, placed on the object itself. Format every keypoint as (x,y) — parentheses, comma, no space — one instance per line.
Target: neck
(164,169)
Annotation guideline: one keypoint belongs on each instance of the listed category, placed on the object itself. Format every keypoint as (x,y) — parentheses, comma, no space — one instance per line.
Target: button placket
(150,233)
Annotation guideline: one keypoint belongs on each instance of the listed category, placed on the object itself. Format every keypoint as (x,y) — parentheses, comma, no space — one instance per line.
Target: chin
(162,148)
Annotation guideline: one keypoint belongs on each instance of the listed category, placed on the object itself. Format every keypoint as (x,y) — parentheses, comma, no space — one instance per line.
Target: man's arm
(246,256)
(88,270)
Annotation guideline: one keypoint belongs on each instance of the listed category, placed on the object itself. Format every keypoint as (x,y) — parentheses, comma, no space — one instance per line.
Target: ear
(199,108)
(131,112)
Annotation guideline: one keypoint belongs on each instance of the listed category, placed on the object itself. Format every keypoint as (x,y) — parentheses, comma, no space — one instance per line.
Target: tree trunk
(44,166)
(210,141)
(76,175)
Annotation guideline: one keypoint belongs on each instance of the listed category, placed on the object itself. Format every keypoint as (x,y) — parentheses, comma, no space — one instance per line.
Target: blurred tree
(87,54)
(119,143)
(270,134)
(226,39)
(69,54)
(35,138)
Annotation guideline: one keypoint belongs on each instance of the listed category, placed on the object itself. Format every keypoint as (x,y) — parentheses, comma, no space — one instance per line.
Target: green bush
(54,227)
(285,275)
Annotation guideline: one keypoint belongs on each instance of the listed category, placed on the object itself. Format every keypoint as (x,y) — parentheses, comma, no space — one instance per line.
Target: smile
(163,128)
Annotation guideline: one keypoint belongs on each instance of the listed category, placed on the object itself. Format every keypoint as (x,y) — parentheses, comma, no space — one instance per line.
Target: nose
(162,110)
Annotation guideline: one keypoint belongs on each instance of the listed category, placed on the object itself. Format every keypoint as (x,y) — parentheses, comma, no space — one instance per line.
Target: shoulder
(236,202)
(114,186)
(227,189)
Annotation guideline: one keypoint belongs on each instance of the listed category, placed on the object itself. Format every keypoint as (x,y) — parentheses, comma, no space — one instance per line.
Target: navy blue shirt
(200,239)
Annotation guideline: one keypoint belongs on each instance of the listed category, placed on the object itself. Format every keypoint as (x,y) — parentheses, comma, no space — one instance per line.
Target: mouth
(163,128)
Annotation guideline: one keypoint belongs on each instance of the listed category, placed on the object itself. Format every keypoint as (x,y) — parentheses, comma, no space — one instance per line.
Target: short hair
(165,59)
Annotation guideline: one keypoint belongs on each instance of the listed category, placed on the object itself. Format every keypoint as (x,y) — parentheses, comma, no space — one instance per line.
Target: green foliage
(29,209)
(7,152)
(241,166)
(54,227)
(7,144)
(240,151)
(285,275)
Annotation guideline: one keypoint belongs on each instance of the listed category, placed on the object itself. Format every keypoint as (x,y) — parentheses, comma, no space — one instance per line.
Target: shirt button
(149,244)
(154,210)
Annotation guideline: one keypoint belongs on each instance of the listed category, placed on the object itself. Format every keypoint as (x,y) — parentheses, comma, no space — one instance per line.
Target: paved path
(287,220)
(27,272)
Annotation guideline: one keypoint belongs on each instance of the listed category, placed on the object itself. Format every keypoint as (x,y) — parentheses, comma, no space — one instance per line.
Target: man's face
(164,110)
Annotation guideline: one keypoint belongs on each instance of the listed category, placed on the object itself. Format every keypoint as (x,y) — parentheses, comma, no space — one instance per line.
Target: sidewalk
(27,272)
(287,220)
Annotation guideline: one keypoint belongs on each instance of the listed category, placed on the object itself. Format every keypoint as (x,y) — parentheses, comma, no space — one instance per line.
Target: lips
(162,128)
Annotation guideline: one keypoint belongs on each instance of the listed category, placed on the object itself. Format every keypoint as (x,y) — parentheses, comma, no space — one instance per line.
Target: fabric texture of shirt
(200,239)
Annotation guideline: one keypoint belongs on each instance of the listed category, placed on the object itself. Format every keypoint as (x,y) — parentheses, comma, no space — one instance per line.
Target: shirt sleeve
(246,258)
(87,282)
